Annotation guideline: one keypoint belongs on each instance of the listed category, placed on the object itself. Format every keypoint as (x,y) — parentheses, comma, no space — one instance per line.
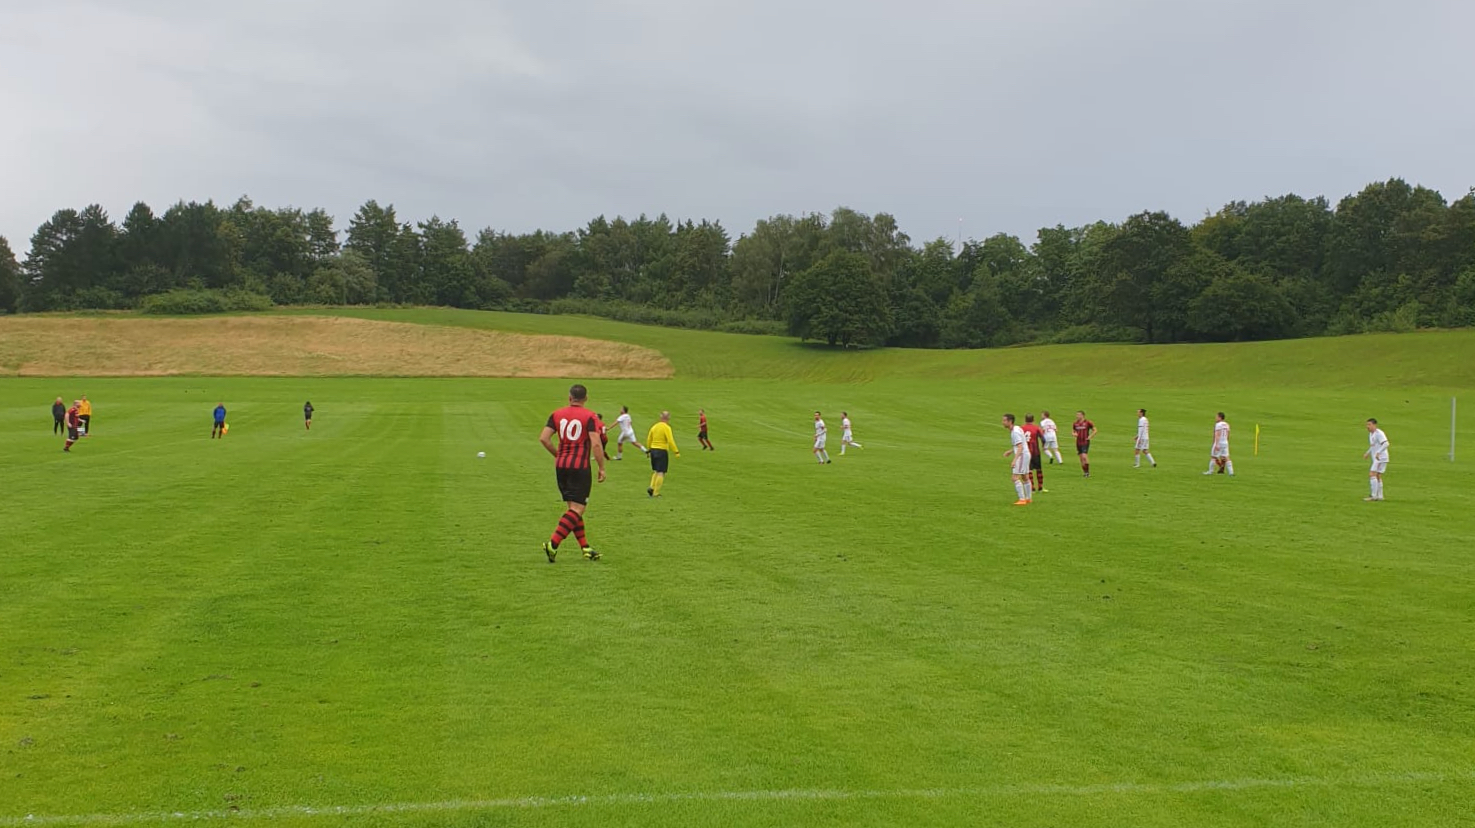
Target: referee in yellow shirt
(661,443)
(84,413)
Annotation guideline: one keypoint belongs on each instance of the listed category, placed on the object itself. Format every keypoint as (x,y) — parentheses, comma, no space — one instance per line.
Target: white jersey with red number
(1020,441)
(1221,439)
(1048,429)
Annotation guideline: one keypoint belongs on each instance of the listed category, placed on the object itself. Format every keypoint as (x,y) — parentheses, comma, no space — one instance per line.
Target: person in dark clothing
(59,417)
(307,413)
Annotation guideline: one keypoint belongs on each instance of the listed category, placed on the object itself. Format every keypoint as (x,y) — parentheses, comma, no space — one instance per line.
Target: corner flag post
(1257,439)
(1451,429)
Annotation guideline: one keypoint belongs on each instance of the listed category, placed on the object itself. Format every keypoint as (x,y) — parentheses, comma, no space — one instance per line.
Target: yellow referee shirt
(84,408)
(660,437)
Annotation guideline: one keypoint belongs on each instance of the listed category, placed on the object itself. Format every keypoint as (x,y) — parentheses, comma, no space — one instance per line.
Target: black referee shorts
(575,484)
(660,460)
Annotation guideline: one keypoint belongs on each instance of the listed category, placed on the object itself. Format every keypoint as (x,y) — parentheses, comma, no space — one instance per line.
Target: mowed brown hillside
(304,346)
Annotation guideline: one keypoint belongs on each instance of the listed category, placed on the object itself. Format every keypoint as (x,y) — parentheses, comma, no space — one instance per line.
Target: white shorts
(1142,445)
(1379,466)
(626,437)
(1219,450)
(819,444)
(1051,441)
(1021,463)
(847,437)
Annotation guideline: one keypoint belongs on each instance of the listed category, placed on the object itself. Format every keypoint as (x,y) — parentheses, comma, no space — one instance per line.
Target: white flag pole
(1451,429)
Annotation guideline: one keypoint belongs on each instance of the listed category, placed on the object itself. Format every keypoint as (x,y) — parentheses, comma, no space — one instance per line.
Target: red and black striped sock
(1040,476)
(579,533)
(566,525)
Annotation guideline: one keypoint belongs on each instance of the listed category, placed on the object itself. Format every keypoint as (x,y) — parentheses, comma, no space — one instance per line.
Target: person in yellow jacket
(661,444)
(84,412)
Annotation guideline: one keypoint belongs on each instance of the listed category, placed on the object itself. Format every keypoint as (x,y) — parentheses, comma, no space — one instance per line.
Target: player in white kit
(847,437)
(627,433)
(821,434)
(1219,452)
(1377,449)
(1051,439)
(1019,450)
(1142,444)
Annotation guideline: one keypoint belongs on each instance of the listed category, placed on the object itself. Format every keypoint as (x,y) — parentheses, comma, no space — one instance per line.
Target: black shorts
(307,415)
(702,435)
(660,460)
(1034,462)
(71,433)
(574,484)
(1083,448)
(219,423)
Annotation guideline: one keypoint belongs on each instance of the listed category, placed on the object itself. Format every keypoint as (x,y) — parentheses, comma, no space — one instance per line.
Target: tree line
(1390,257)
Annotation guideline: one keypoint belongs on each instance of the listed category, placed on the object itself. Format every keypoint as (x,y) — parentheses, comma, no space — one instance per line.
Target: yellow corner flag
(1257,439)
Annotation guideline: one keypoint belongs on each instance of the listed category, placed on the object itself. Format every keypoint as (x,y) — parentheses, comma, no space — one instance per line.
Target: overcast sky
(1008,114)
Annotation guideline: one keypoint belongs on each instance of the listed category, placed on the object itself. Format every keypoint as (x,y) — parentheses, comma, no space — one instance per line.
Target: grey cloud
(1011,114)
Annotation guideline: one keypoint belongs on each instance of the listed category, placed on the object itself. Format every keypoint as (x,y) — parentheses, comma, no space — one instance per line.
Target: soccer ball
(481,454)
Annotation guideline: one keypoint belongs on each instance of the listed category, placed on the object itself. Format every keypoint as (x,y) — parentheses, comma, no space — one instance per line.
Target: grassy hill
(355,625)
(1431,359)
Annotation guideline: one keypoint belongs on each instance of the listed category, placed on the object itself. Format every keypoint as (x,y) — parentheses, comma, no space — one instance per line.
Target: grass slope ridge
(1427,359)
(304,346)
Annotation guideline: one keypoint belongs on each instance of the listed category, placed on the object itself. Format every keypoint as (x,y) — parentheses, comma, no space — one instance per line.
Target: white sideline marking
(796,794)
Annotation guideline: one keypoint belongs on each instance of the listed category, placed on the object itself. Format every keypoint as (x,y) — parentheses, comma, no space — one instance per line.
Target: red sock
(1086,467)
(1041,475)
(579,533)
(566,525)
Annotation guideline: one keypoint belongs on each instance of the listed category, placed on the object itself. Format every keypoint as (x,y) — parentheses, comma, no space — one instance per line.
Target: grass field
(356,626)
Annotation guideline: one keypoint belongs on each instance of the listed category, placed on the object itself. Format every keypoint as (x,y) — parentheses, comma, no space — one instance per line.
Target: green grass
(1442,359)
(361,615)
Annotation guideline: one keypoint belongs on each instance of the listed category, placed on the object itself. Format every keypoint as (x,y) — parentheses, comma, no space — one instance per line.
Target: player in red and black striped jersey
(1032,433)
(1084,430)
(578,432)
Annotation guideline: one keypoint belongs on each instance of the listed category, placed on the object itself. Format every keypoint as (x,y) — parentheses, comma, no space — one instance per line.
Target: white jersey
(820,433)
(1021,449)
(1221,440)
(1048,429)
(1142,432)
(845,426)
(1378,446)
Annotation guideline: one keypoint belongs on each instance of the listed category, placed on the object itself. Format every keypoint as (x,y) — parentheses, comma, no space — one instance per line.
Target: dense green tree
(199,245)
(445,263)
(1239,305)
(10,279)
(1389,257)
(839,300)
(345,279)
(977,318)
(53,268)
(1137,261)
(392,250)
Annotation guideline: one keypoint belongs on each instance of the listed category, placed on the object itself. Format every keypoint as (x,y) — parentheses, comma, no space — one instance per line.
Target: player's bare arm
(546,438)
(596,449)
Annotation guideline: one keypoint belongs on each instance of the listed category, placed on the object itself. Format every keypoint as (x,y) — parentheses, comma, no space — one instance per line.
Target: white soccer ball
(481,454)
